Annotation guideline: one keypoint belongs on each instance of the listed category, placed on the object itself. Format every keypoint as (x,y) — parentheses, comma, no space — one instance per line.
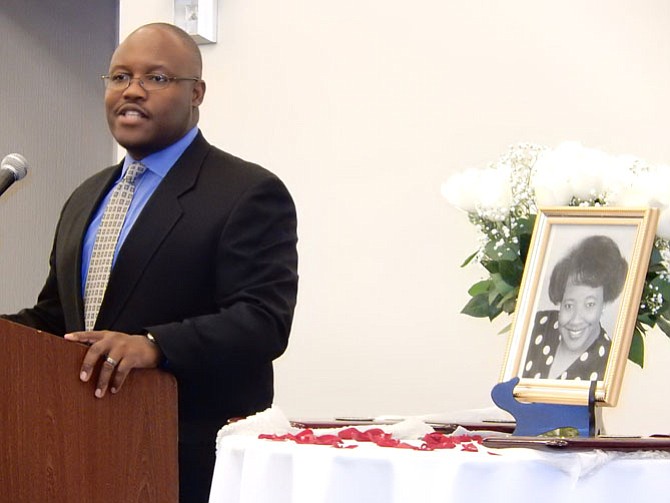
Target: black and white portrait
(568,339)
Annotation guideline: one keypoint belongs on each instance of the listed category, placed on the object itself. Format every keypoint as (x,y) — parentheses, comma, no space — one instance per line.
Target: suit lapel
(159,216)
(80,210)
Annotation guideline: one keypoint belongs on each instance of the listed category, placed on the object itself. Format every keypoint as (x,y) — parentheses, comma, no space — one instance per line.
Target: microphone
(12,169)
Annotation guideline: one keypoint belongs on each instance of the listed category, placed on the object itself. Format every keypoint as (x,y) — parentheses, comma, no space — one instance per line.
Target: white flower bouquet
(501,200)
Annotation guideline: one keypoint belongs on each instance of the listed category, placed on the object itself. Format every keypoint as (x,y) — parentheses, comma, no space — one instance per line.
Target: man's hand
(117,353)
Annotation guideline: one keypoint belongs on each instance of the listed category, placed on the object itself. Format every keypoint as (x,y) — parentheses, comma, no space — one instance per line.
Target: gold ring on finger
(111,361)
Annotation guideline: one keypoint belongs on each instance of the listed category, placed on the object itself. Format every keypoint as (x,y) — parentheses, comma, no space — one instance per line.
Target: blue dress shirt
(158,164)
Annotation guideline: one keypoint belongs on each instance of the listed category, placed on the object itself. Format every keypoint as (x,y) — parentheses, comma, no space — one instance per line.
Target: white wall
(51,55)
(363,108)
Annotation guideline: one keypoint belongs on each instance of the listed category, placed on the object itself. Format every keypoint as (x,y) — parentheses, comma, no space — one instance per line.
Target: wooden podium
(58,443)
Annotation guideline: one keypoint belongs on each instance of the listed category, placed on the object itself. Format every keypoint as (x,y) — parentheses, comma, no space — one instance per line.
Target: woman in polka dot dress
(570,343)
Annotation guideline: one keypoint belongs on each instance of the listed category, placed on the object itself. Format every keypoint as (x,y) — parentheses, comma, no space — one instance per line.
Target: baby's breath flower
(502,200)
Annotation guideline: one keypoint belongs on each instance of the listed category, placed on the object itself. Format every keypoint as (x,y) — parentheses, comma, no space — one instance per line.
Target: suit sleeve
(256,286)
(47,313)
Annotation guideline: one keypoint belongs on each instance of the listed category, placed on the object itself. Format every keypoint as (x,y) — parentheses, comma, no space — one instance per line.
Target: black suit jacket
(209,269)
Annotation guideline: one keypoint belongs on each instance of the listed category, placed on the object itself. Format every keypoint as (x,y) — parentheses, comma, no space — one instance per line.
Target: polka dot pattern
(544,342)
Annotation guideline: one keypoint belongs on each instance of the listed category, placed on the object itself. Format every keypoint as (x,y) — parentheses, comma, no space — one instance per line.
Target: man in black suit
(204,279)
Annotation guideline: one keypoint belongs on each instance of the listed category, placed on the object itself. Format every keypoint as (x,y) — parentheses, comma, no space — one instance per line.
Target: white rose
(485,191)
(495,192)
(589,168)
(550,181)
(659,179)
(646,188)
(663,230)
(620,179)
(460,190)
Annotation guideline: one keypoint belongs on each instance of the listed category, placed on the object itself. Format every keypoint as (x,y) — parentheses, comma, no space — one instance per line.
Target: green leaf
(646,319)
(525,225)
(664,325)
(511,271)
(662,285)
(511,295)
(510,305)
(524,235)
(480,287)
(524,245)
(505,251)
(505,329)
(636,352)
(501,286)
(469,259)
(494,311)
(655,257)
(654,269)
(494,297)
(477,306)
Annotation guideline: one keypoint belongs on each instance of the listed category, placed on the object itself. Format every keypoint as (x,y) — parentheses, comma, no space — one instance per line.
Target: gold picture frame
(539,344)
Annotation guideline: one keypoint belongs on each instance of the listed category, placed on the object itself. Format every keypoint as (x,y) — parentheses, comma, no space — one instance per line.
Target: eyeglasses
(149,82)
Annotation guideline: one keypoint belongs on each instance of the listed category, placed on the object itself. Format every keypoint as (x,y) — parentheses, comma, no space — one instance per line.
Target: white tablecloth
(249,470)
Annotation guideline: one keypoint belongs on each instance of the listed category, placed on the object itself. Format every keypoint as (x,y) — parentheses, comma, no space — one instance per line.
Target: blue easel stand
(534,419)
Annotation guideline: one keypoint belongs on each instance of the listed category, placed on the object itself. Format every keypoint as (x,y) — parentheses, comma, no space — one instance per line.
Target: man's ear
(199,89)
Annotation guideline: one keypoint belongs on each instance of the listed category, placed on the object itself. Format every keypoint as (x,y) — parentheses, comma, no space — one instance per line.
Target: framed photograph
(578,301)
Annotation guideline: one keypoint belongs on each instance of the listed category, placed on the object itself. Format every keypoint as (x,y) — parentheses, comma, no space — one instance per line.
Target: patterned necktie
(105,243)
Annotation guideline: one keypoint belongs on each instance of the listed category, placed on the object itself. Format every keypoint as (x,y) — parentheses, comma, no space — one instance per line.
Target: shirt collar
(160,162)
